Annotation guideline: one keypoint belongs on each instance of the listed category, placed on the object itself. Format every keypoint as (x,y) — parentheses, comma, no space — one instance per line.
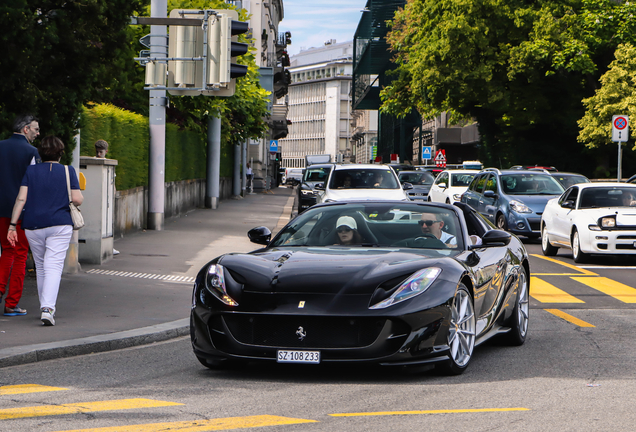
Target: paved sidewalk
(142,295)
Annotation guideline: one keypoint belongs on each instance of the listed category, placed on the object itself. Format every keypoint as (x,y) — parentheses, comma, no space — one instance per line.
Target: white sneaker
(115,252)
(47,317)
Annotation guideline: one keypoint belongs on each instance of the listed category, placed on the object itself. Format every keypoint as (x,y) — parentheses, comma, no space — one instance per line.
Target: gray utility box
(96,238)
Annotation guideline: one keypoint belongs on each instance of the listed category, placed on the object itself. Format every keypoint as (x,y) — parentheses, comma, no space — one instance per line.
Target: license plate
(298,357)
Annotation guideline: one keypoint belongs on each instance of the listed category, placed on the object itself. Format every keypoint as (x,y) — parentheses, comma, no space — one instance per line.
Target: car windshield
(461,180)
(595,197)
(416,177)
(371,178)
(569,180)
(316,174)
(417,226)
(530,184)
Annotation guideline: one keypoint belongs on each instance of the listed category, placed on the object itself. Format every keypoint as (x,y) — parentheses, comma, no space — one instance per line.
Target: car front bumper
(619,242)
(528,224)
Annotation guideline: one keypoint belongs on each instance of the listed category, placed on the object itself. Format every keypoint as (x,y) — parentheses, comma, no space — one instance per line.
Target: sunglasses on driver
(343,229)
(427,222)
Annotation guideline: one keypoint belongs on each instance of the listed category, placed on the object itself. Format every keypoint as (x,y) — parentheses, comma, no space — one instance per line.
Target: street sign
(273,146)
(440,159)
(620,128)
(426,153)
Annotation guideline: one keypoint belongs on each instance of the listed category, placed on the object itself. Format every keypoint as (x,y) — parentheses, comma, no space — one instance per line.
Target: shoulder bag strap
(68,184)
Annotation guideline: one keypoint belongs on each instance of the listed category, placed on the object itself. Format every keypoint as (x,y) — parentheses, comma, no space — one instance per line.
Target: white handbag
(76,214)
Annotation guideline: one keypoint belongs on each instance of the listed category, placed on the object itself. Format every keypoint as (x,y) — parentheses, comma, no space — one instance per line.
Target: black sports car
(394,283)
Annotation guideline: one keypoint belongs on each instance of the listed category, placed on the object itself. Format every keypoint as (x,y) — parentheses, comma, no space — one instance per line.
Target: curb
(93,344)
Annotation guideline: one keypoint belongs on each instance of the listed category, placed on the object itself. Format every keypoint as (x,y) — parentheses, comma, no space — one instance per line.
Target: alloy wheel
(461,336)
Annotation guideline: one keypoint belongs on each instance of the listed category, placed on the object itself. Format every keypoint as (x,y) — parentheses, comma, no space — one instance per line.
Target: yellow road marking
(569,318)
(620,291)
(27,388)
(573,267)
(556,274)
(446,411)
(204,425)
(545,292)
(84,407)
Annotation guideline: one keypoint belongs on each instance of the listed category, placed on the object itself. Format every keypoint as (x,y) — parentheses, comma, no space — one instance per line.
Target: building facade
(319,104)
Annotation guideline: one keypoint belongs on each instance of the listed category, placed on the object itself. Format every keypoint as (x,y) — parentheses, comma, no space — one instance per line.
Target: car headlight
(307,192)
(608,222)
(215,284)
(519,207)
(457,197)
(419,282)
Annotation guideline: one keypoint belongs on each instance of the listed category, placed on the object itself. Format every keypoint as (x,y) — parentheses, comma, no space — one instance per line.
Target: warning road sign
(440,158)
(620,128)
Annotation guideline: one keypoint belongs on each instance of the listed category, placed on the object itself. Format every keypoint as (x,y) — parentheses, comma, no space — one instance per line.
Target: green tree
(617,95)
(519,68)
(58,55)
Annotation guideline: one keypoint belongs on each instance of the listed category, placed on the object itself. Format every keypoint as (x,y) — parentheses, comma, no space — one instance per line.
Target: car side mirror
(569,204)
(319,186)
(407,186)
(442,186)
(260,235)
(494,238)
(490,194)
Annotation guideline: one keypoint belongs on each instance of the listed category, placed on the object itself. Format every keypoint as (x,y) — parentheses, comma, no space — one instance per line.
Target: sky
(311,23)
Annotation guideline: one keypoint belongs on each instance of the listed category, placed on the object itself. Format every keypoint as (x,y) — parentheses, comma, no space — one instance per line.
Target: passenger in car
(432,223)
(378,180)
(347,230)
(346,183)
(628,199)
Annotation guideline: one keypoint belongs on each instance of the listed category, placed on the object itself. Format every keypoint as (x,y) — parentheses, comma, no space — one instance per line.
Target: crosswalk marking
(569,318)
(545,292)
(83,407)
(443,411)
(620,291)
(205,425)
(165,278)
(27,388)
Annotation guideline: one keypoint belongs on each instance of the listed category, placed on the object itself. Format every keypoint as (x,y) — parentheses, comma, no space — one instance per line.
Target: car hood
(326,270)
(535,202)
(420,188)
(365,194)
(624,216)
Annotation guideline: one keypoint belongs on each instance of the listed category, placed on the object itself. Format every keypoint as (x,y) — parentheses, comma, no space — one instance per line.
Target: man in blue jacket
(16,154)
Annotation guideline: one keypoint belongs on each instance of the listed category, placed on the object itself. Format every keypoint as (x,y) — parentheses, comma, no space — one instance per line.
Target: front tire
(579,256)
(461,333)
(546,247)
(520,314)
(501,222)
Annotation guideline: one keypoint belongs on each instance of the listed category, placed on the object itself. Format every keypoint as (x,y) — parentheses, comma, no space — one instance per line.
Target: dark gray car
(421,181)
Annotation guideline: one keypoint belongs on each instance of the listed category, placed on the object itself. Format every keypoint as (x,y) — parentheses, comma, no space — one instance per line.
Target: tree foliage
(617,95)
(57,55)
(519,68)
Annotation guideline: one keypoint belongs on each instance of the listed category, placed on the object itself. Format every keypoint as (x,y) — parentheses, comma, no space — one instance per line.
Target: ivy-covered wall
(128,139)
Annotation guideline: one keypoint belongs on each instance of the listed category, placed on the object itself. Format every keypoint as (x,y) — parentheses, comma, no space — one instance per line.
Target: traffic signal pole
(214,161)
(157,120)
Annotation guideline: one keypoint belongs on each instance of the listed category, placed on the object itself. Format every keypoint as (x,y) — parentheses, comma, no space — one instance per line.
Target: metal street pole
(620,162)
(214,161)
(236,178)
(157,120)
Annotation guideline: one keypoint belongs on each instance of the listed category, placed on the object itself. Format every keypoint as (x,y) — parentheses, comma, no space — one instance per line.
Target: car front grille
(625,246)
(535,225)
(294,331)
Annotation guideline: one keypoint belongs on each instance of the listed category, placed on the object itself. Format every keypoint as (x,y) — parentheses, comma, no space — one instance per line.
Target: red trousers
(12,263)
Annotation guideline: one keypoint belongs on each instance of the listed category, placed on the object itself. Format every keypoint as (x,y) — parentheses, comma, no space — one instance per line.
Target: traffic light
(282,79)
(223,47)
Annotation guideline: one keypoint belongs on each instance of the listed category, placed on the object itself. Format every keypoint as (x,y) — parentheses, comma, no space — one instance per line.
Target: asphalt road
(575,373)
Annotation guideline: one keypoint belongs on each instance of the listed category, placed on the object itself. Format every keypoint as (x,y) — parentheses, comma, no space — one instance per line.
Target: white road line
(610,267)
(164,278)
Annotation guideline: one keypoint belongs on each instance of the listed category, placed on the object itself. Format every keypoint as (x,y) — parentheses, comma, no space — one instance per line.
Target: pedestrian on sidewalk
(47,220)
(16,154)
(249,174)
(101,148)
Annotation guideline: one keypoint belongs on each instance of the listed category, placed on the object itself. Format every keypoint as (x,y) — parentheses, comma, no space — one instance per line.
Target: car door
(436,192)
(473,194)
(562,216)
(488,200)
(490,269)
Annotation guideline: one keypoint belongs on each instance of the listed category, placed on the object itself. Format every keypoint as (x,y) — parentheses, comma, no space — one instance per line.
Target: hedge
(128,137)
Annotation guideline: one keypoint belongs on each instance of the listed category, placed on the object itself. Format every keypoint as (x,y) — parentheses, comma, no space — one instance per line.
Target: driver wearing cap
(431,223)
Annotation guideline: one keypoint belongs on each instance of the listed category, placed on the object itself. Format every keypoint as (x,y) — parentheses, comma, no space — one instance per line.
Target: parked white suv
(449,185)
(362,182)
